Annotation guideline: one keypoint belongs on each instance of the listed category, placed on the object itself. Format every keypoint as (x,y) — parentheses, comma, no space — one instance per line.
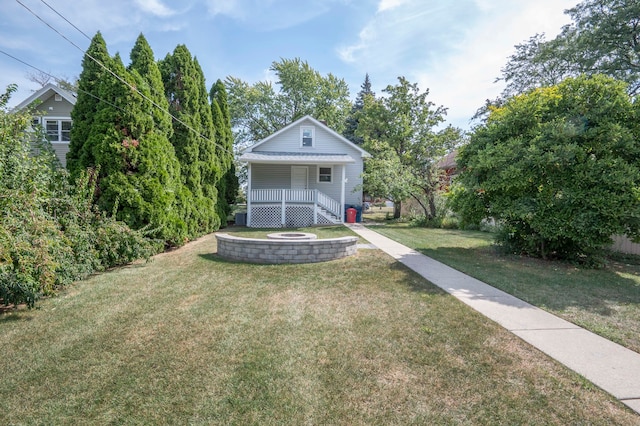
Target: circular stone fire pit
(285,247)
(292,236)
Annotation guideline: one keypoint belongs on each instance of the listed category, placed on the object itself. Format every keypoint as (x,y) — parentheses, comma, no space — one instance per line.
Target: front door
(299,177)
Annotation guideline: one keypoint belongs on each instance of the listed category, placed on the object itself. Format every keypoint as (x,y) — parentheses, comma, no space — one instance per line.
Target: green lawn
(605,301)
(190,338)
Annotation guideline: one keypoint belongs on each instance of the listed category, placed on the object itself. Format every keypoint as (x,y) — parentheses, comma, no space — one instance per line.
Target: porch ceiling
(295,158)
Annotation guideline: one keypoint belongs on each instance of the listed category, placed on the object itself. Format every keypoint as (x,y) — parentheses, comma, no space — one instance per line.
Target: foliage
(193,140)
(84,111)
(259,110)
(603,38)
(398,130)
(138,174)
(228,185)
(351,125)
(558,167)
(50,235)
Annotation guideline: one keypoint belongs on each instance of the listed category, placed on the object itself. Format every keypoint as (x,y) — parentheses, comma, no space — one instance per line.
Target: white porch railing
(284,197)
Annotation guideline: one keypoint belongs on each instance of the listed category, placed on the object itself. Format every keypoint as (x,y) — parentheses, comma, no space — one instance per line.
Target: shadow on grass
(11,314)
(548,284)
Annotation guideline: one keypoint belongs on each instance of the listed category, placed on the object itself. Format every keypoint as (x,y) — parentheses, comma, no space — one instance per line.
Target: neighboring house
(448,170)
(53,113)
(304,174)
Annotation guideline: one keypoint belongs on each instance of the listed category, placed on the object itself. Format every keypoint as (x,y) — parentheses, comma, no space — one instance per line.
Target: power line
(60,79)
(68,22)
(132,87)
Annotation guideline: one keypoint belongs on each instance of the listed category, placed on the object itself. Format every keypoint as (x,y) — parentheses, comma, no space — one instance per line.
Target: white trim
(330,167)
(316,123)
(39,94)
(249,194)
(59,120)
(261,157)
(342,197)
(313,136)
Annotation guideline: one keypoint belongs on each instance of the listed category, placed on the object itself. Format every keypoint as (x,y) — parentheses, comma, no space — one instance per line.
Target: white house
(53,112)
(303,174)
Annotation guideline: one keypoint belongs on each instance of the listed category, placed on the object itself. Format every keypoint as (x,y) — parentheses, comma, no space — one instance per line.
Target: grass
(190,338)
(605,301)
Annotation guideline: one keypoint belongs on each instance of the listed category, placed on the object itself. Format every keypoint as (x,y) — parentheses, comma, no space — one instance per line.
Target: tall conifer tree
(193,140)
(228,183)
(84,112)
(354,115)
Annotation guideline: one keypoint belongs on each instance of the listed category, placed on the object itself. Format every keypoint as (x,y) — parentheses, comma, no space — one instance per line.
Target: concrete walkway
(608,365)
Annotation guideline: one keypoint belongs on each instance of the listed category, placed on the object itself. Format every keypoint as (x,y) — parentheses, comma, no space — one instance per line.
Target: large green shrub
(50,233)
(558,168)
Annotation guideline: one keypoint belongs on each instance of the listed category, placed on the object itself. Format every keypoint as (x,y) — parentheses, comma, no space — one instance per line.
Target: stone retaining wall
(254,250)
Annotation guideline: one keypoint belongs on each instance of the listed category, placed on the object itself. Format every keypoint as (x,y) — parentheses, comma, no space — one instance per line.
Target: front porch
(291,208)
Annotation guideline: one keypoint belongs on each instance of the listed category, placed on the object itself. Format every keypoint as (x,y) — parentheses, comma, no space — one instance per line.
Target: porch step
(332,218)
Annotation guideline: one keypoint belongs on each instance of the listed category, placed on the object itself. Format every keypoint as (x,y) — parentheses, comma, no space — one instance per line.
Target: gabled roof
(338,136)
(448,161)
(46,92)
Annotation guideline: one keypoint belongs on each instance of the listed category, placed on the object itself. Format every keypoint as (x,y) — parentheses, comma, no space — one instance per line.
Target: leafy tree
(193,140)
(398,130)
(558,167)
(228,184)
(84,111)
(351,124)
(603,38)
(259,110)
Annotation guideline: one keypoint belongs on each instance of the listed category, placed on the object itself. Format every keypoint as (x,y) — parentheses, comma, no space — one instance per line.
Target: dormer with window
(307,136)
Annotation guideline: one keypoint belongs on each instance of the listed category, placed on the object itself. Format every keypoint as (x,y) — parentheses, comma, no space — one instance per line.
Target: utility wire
(68,22)
(60,79)
(132,87)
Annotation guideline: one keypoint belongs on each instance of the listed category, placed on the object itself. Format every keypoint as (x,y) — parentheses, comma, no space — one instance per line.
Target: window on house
(306,134)
(324,174)
(58,130)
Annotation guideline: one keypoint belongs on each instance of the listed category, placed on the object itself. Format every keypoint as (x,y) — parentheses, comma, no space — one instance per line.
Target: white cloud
(456,50)
(225,7)
(155,7)
(464,80)
(389,4)
(270,15)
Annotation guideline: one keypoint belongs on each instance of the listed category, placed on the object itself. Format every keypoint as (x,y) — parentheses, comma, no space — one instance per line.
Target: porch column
(283,219)
(249,194)
(315,206)
(342,194)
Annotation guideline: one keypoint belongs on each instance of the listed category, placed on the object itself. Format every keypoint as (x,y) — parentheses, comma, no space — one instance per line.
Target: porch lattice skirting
(296,216)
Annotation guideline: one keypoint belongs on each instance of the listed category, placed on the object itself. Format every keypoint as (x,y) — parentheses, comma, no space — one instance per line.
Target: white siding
(279,176)
(270,176)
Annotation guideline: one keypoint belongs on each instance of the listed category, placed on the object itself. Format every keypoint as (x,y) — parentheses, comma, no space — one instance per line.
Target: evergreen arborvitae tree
(228,184)
(84,111)
(159,169)
(354,116)
(193,140)
(209,160)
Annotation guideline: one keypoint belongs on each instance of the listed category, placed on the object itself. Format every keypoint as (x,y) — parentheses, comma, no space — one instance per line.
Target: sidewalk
(608,365)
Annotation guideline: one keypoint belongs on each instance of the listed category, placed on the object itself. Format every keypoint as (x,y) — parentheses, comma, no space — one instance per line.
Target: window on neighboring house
(306,134)
(324,174)
(58,130)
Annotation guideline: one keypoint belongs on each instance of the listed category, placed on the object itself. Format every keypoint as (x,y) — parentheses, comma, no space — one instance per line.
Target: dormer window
(307,136)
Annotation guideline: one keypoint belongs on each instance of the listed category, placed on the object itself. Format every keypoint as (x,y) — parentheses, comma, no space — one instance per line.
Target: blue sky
(454,48)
